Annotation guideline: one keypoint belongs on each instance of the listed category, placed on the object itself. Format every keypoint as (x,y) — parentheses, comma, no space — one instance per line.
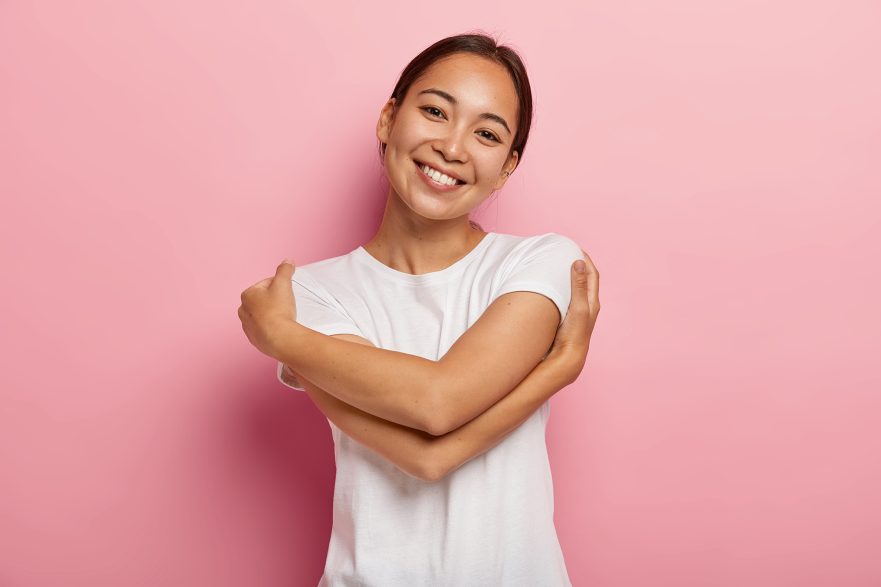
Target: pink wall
(720,162)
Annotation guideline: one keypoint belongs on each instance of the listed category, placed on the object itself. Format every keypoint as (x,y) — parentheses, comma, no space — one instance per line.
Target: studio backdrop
(718,161)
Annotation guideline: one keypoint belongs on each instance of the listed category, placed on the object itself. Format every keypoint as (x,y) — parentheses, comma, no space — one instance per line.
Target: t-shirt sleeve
(542,265)
(319,311)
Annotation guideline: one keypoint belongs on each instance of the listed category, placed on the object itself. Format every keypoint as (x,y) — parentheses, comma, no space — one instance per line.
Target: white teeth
(438,176)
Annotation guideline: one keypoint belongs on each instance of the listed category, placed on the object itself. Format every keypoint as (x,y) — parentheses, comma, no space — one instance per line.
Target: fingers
(263,283)
(282,278)
(573,335)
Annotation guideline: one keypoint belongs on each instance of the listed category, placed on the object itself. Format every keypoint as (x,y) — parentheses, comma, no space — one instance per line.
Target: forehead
(476,82)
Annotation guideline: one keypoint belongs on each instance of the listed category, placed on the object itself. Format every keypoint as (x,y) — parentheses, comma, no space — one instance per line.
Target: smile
(437,179)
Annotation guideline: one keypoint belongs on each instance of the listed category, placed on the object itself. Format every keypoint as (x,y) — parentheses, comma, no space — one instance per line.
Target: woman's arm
(429,457)
(433,457)
(483,365)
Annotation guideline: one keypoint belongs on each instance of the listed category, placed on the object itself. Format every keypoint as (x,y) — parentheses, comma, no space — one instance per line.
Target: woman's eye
(438,113)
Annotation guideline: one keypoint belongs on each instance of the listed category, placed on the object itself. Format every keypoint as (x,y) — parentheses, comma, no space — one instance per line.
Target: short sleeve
(542,264)
(319,311)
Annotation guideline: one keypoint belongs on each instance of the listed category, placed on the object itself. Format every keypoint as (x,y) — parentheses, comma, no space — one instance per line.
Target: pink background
(720,162)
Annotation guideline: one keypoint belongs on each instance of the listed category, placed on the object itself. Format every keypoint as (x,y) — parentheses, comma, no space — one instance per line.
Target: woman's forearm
(407,448)
(433,457)
(390,385)
(488,360)
(491,427)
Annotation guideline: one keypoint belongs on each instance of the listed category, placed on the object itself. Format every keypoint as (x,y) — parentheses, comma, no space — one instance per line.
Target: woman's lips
(441,187)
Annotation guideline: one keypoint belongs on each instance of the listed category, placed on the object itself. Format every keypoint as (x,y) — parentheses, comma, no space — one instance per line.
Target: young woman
(429,348)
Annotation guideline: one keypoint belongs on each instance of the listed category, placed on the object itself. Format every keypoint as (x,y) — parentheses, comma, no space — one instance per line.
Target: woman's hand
(569,350)
(267,306)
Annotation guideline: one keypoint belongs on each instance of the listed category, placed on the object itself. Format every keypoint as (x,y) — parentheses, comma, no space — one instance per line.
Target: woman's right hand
(569,350)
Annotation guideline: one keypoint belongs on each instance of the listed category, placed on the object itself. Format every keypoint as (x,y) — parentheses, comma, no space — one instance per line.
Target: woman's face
(459,118)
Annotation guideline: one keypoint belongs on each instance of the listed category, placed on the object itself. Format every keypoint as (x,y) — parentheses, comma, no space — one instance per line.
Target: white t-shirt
(489,522)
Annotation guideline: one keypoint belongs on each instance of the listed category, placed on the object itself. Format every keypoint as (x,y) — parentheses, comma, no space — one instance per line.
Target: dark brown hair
(485,46)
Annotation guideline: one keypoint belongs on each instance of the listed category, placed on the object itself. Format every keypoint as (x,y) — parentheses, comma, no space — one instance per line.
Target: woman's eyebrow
(453,101)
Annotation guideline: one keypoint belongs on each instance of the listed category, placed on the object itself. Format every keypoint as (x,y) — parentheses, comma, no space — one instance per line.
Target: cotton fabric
(489,522)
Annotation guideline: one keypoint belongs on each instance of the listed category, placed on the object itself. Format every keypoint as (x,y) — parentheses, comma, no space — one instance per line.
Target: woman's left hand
(569,351)
(267,307)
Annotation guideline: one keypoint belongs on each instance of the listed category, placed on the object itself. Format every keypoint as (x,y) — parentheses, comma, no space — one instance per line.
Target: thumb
(579,307)
(578,275)
(283,273)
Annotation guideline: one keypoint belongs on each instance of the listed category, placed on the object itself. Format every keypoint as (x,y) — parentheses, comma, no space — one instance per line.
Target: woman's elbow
(434,412)
(440,470)
(426,419)
(431,467)
(446,419)
(438,424)
(432,472)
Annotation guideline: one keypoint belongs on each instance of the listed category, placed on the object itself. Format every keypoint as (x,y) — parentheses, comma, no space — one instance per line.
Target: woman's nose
(452,146)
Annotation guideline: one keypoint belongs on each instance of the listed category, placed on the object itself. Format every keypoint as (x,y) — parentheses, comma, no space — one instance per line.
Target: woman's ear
(386,118)
(507,169)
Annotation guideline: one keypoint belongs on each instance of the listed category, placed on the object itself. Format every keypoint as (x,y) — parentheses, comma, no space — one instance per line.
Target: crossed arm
(489,360)
(429,457)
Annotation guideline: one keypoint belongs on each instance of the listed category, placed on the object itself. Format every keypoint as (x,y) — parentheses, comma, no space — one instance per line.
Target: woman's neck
(416,245)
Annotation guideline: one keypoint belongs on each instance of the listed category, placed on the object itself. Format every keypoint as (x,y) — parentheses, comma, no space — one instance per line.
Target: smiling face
(458,119)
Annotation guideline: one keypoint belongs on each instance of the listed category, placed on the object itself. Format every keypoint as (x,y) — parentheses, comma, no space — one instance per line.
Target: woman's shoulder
(515,243)
(323,270)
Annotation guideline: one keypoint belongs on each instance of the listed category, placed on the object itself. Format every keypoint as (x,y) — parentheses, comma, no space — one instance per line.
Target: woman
(429,347)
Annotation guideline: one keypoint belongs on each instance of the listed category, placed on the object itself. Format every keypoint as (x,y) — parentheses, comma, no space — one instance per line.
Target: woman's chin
(432,205)
(429,207)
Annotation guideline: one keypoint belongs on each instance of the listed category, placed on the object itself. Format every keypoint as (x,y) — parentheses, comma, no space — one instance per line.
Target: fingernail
(580,266)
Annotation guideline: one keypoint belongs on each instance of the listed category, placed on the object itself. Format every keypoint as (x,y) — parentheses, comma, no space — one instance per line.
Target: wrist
(282,335)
